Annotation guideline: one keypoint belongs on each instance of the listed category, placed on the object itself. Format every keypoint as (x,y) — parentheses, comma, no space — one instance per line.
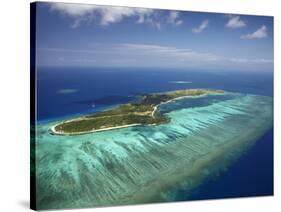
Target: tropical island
(142,112)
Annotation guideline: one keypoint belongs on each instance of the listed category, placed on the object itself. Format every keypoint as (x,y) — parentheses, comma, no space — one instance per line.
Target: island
(142,112)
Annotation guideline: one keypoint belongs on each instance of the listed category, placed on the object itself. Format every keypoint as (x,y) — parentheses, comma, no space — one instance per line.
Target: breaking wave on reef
(147,164)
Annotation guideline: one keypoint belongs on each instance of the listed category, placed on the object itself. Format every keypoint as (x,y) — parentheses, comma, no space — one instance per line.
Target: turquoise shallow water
(148,163)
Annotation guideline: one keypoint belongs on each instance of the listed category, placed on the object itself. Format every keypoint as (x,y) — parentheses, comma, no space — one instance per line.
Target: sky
(85,35)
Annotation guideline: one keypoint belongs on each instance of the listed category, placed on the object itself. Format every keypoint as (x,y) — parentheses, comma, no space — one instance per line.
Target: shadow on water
(109,100)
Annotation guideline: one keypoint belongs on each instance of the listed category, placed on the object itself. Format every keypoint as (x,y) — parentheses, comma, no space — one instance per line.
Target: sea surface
(67,92)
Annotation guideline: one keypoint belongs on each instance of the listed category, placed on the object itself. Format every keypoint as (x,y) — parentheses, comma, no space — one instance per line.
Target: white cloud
(73,9)
(259,33)
(201,27)
(61,59)
(172,53)
(104,14)
(116,14)
(74,51)
(235,22)
(85,60)
(67,91)
(245,60)
(173,18)
(136,53)
(151,19)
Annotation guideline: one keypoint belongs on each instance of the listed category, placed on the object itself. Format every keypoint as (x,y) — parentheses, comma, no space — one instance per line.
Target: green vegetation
(141,113)
(101,122)
(124,109)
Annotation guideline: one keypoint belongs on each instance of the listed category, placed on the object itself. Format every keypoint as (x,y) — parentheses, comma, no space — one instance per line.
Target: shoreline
(54,132)
(175,99)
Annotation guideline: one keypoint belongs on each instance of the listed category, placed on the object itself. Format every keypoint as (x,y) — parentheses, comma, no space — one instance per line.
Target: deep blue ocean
(65,92)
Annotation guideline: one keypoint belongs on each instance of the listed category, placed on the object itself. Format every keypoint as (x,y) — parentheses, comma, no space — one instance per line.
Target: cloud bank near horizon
(131,53)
